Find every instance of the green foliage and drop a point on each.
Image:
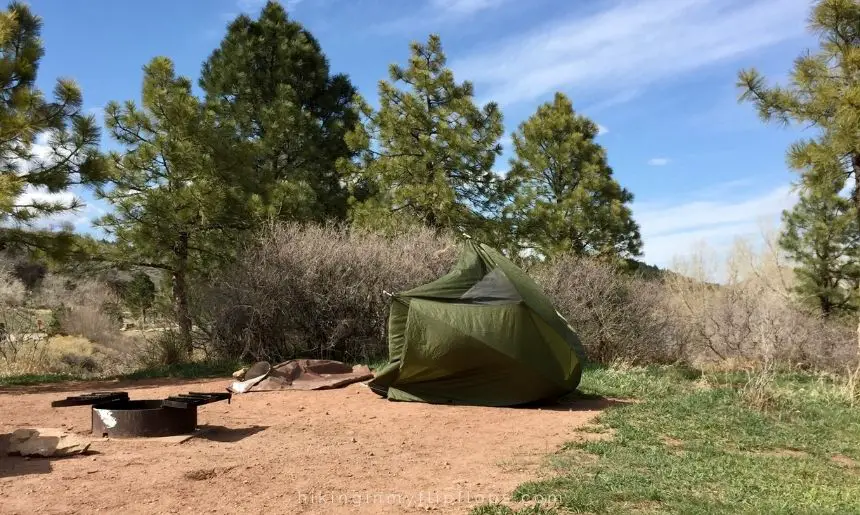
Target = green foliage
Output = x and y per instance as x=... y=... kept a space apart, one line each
x=174 y=207
x=823 y=237
x=139 y=293
x=46 y=147
x=695 y=446
x=564 y=198
x=824 y=93
x=269 y=81
x=426 y=155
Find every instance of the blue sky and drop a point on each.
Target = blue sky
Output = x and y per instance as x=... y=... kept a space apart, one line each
x=657 y=75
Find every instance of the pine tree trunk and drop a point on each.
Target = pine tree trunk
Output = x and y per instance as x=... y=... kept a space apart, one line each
x=180 y=292
x=855 y=196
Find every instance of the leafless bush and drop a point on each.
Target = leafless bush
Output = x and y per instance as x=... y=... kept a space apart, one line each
x=12 y=290
x=84 y=307
x=317 y=291
x=617 y=316
x=752 y=317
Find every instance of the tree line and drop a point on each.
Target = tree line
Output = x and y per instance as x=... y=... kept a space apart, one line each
x=278 y=136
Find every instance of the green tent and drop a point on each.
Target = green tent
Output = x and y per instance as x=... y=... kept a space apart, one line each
x=483 y=334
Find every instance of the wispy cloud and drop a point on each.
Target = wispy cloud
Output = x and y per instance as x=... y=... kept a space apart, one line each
x=463 y=7
x=433 y=13
x=659 y=161
x=669 y=230
x=602 y=129
x=626 y=47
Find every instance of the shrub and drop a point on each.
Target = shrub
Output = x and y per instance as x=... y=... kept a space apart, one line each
x=85 y=308
x=317 y=292
x=30 y=273
x=752 y=317
x=618 y=317
x=77 y=361
x=12 y=290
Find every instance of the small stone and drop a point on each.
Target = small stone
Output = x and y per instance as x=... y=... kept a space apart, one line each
x=354 y=440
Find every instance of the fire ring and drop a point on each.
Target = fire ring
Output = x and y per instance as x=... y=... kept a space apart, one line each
x=115 y=415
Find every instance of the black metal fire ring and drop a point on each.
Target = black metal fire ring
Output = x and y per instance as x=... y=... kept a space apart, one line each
x=114 y=415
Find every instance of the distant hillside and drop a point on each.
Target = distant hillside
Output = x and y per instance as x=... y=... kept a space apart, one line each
x=646 y=271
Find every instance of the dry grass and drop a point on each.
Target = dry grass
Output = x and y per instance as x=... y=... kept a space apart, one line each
x=72 y=328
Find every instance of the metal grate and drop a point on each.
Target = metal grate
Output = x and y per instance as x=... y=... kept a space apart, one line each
x=193 y=399
x=91 y=398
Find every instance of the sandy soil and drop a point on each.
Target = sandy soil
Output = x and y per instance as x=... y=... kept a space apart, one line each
x=336 y=451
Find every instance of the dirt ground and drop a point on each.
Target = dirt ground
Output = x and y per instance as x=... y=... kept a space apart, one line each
x=334 y=451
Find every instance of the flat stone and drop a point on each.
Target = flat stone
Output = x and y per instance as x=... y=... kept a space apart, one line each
x=45 y=442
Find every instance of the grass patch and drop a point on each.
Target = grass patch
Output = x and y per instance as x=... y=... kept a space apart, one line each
x=192 y=370
x=36 y=379
x=698 y=444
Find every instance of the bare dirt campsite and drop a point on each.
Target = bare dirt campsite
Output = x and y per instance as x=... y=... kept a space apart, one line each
x=329 y=451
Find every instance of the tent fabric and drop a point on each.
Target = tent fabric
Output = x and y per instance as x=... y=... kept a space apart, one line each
x=300 y=374
x=482 y=334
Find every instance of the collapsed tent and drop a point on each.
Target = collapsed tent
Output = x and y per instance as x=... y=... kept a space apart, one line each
x=300 y=374
x=483 y=334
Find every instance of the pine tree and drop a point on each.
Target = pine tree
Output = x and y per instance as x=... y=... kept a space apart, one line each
x=139 y=294
x=427 y=153
x=69 y=155
x=173 y=208
x=824 y=93
x=269 y=80
x=564 y=198
x=822 y=237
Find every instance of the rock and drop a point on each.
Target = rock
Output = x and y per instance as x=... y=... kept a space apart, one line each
x=240 y=374
x=127 y=325
x=45 y=442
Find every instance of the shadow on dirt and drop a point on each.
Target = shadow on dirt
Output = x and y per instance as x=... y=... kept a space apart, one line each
x=228 y=434
x=14 y=465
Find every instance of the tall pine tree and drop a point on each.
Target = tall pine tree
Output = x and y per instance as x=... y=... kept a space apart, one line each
x=270 y=82
x=427 y=152
x=822 y=237
x=564 y=198
x=30 y=173
x=824 y=93
x=173 y=209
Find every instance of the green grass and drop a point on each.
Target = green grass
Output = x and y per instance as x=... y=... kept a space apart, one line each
x=697 y=444
x=192 y=370
x=35 y=379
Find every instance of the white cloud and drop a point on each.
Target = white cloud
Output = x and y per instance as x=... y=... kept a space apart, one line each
x=463 y=7
x=33 y=194
x=672 y=230
x=437 y=12
x=659 y=161
x=601 y=130
x=628 y=46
